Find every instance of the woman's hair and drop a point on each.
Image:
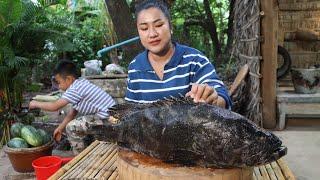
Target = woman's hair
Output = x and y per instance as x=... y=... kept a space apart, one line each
x=159 y=4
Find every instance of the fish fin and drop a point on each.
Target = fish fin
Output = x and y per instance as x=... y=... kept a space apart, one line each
x=120 y=110
x=171 y=100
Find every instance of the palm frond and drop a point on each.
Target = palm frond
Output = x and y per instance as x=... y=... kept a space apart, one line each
x=4 y=71
x=46 y=3
x=31 y=10
x=10 y=12
x=18 y=62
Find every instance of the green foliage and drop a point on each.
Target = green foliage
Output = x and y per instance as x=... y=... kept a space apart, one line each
x=88 y=39
x=34 y=87
x=24 y=31
x=88 y=30
x=195 y=35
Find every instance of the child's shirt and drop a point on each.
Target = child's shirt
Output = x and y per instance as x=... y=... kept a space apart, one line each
x=88 y=98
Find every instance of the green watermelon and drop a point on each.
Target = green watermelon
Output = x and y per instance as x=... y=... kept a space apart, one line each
x=17 y=143
x=15 y=129
x=31 y=135
x=45 y=136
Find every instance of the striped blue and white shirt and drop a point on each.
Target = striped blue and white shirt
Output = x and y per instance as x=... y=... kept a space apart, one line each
x=88 y=98
x=186 y=66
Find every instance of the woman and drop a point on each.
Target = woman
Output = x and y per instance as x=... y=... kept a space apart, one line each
x=166 y=68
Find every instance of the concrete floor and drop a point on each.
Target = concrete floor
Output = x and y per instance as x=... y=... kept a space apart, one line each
x=8 y=173
x=302 y=140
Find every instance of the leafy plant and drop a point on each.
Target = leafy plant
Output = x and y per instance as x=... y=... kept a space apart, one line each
x=192 y=25
x=24 y=30
x=91 y=30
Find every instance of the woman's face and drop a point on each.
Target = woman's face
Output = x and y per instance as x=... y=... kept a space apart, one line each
x=154 y=31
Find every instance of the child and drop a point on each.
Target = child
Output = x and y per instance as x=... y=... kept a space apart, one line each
x=86 y=98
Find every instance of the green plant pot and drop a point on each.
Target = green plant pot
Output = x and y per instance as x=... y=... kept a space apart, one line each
x=306 y=81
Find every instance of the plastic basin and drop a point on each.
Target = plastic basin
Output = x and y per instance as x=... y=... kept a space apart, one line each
x=46 y=166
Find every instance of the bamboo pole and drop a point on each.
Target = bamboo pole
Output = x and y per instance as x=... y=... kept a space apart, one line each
x=285 y=170
x=277 y=171
x=86 y=164
x=110 y=171
x=254 y=176
x=113 y=176
x=264 y=173
x=109 y=155
x=98 y=172
x=257 y=173
x=107 y=163
x=76 y=159
x=92 y=162
x=95 y=167
x=271 y=172
x=73 y=169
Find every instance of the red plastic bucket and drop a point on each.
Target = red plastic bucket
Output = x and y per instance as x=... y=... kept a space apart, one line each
x=46 y=166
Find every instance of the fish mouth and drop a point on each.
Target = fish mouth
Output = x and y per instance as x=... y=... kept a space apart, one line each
x=278 y=153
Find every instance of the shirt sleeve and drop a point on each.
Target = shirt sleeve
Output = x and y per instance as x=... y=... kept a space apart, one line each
x=72 y=95
x=206 y=74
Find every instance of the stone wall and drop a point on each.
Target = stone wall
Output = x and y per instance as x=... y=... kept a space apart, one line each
x=116 y=85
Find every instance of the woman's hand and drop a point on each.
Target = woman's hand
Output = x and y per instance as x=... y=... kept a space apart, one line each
x=203 y=93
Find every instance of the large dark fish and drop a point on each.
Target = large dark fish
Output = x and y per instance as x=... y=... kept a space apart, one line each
x=180 y=131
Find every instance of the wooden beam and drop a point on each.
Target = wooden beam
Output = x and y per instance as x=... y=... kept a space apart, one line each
x=269 y=24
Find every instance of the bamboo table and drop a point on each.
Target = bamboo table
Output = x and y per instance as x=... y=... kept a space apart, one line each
x=98 y=161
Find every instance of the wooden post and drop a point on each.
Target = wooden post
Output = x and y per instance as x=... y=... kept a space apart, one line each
x=269 y=24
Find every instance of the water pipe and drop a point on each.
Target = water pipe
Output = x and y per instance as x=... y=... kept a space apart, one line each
x=104 y=50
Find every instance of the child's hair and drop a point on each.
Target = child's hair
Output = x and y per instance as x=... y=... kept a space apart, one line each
x=66 y=68
x=159 y=4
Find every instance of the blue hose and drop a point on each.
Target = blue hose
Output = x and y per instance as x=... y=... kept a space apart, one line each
x=104 y=50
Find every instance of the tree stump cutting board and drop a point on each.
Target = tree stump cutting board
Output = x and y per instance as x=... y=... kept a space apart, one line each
x=136 y=166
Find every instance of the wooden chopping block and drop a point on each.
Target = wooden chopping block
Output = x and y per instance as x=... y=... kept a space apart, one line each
x=136 y=166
